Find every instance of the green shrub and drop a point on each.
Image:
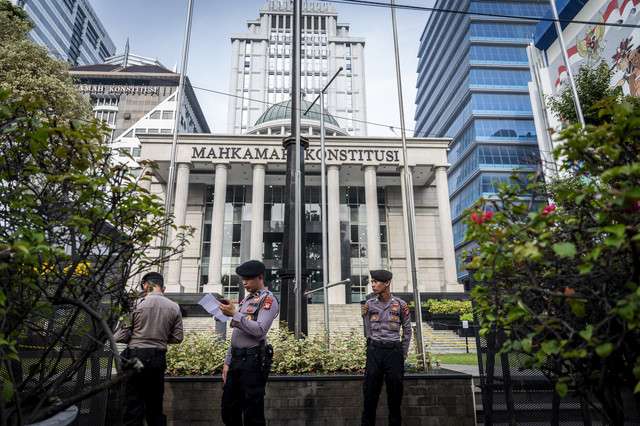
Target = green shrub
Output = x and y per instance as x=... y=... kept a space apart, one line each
x=467 y=317
x=202 y=354
x=446 y=306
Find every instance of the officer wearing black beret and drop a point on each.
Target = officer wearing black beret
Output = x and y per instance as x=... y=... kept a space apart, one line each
x=384 y=316
x=248 y=361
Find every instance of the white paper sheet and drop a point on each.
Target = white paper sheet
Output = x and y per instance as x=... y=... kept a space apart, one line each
x=211 y=305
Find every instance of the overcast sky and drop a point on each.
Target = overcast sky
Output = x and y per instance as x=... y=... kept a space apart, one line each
x=155 y=29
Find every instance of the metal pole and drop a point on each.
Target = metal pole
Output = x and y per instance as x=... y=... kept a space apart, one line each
x=168 y=202
x=323 y=178
x=409 y=196
x=295 y=118
x=325 y=251
x=565 y=57
x=345 y=281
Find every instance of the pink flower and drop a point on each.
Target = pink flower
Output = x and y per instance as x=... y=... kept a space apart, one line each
x=634 y=207
x=548 y=209
x=480 y=217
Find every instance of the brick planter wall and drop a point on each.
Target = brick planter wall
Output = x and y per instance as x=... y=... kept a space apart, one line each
x=441 y=399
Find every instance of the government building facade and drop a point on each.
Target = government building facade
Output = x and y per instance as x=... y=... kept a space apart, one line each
x=230 y=188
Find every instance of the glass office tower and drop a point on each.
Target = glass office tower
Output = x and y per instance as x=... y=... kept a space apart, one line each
x=70 y=28
x=473 y=76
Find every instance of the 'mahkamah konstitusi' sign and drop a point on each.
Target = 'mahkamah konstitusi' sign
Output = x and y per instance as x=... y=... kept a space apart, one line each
x=278 y=153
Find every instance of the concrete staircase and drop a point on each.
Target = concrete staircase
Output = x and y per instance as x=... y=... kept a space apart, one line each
x=447 y=341
x=343 y=319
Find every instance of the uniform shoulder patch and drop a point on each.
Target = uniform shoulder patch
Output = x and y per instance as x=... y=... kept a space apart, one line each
x=365 y=310
x=406 y=309
x=268 y=301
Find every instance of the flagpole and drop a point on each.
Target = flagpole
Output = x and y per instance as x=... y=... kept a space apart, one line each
x=565 y=58
x=409 y=196
x=168 y=202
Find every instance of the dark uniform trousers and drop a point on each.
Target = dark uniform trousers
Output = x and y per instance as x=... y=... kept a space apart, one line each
x=243 y=392
x=142 y=393
x=385 y=362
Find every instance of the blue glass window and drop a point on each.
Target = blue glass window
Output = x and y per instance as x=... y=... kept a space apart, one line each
x=483 y=31
x=460 y=120
x=490 y=103
x=465 y=198
x=513 y=9
x=489 y=129
x=490 y=183
x=499 y=79
x=458 y=232
x=505 y=156
x=459 y=145
x=498 y=55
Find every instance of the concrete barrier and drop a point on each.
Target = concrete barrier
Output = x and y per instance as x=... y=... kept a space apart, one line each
x=439 y=399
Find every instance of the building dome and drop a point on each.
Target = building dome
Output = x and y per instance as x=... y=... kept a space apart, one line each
x=282 y=111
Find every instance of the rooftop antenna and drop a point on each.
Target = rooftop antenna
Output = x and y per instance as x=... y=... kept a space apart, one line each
x=125 y=57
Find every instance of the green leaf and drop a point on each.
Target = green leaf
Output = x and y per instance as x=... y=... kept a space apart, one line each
x=565 y=249
x=551 y=347
x=613 y=240
x=585 y=269
x=515 y=314
x=562 y=389
x=529 y=250
x=577 y=307
x=7 y=391
x=604 y=350
x=587 y=333
x=617 y=230
x=637 y=388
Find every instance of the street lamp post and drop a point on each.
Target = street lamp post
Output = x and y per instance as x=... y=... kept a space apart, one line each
x=292 y=310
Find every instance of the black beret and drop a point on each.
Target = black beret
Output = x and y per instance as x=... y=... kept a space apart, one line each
x=153 y=278
x=381 y=275
x=250 y=269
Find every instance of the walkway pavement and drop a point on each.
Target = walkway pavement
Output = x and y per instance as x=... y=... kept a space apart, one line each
x=468 y=369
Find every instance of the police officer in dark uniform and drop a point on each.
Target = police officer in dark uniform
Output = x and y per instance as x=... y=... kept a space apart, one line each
x=248 y=361
x=384 y=317
x=155 y=321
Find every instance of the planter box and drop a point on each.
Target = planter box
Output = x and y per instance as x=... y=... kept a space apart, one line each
x=426 y=315
x=445 y=321
x=443 y=398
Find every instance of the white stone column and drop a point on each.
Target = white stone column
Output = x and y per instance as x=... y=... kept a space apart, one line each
x=257 y=211
x=337 y=293
x=373 y=218
x=217 y=230
x=180 y=212
x=446 y=232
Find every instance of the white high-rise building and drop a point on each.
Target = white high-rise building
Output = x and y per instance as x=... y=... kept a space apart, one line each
x=261 y=66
